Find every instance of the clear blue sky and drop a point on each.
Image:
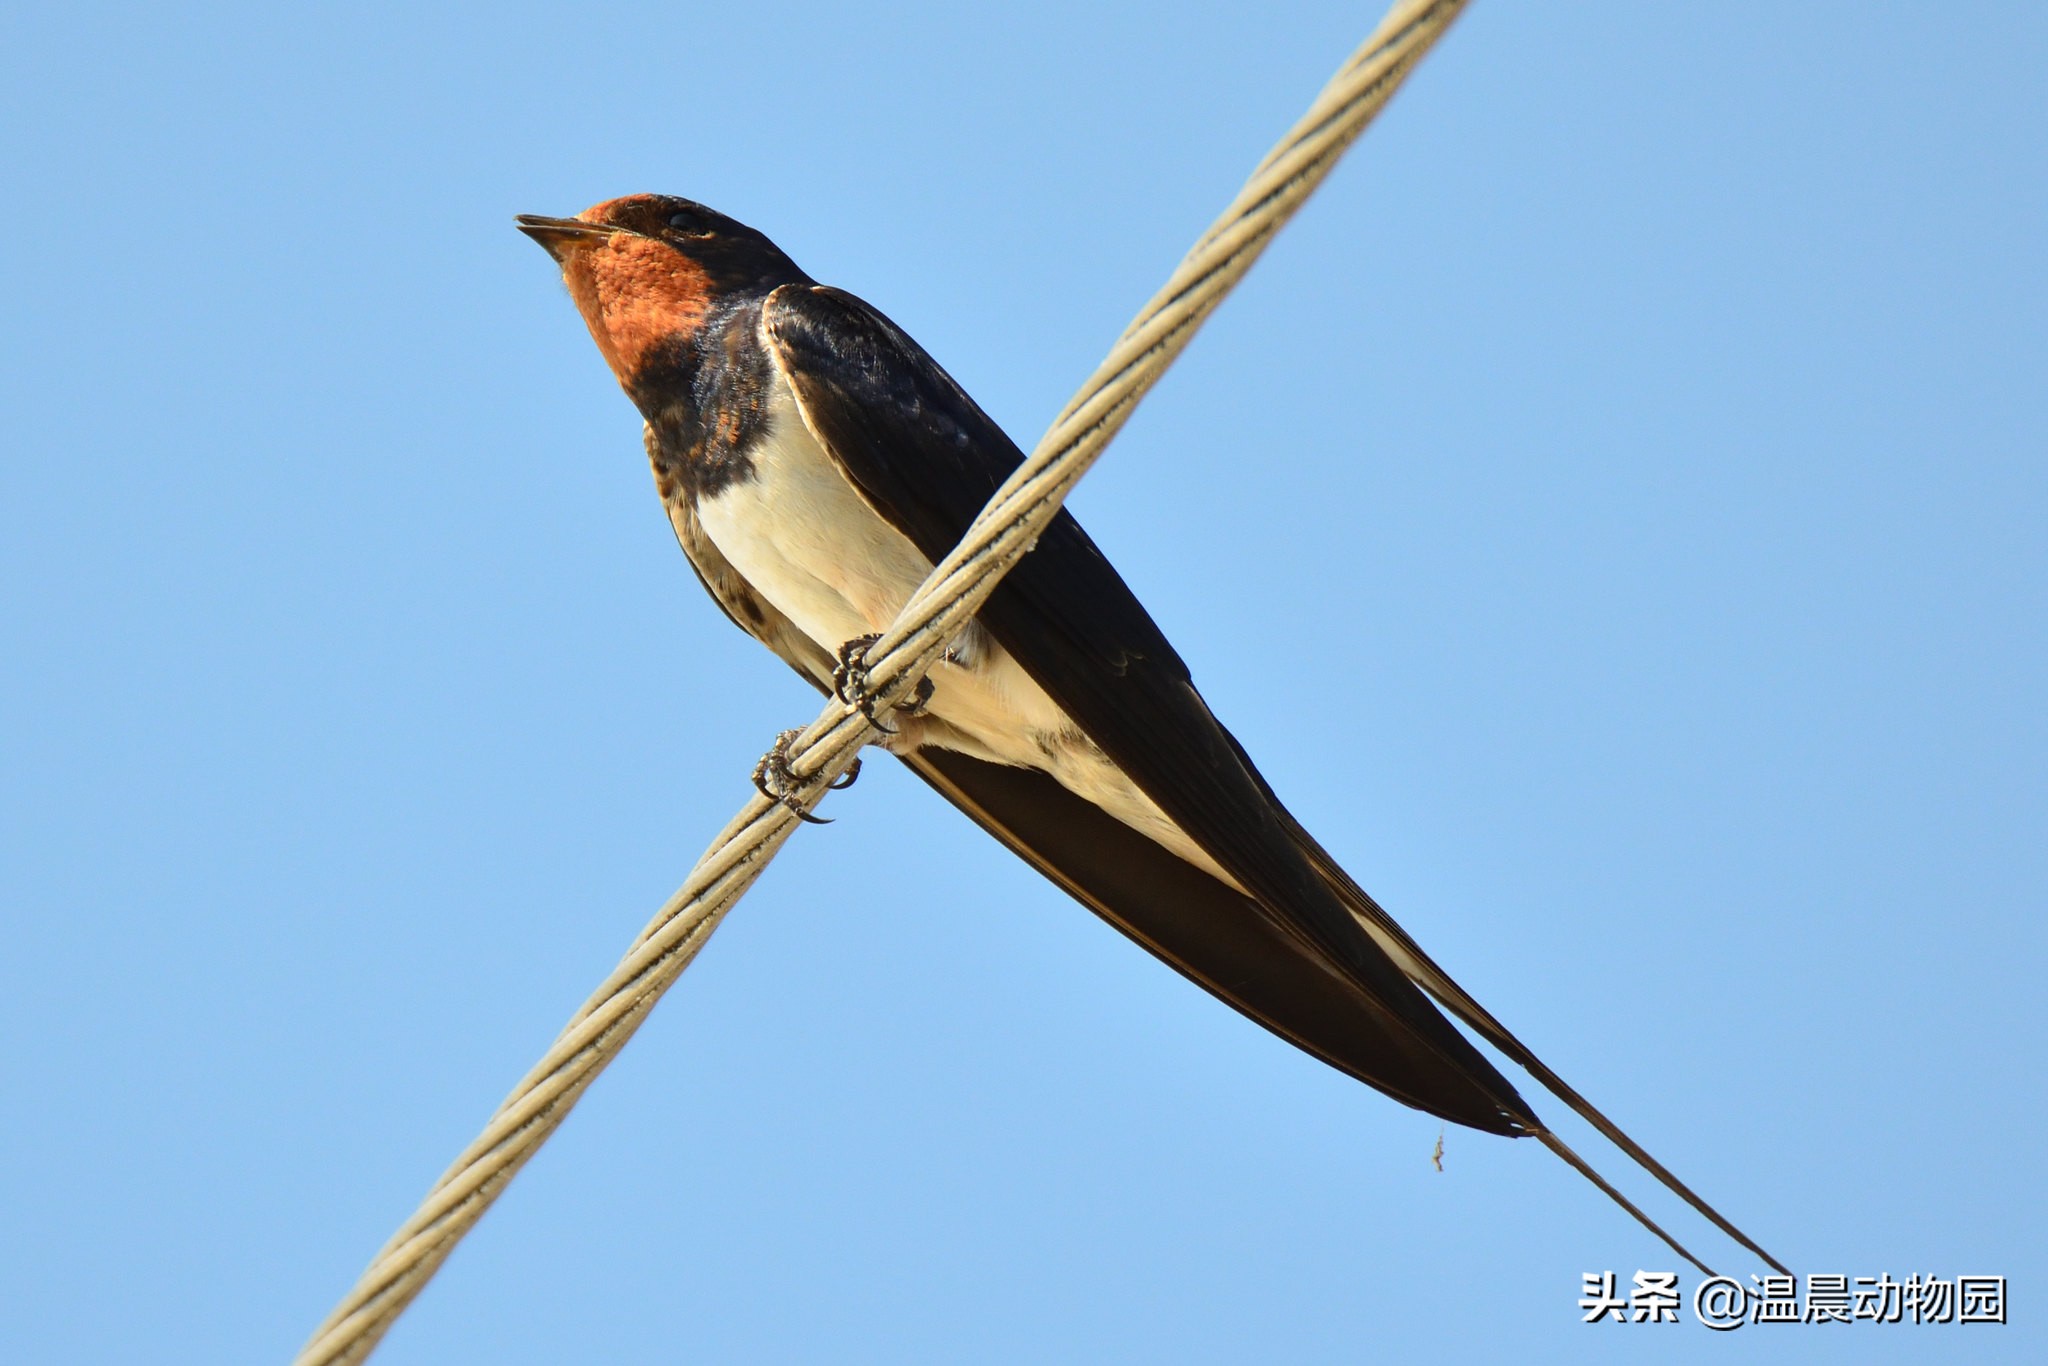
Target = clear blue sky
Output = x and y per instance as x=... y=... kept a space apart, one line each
x=1613 y=515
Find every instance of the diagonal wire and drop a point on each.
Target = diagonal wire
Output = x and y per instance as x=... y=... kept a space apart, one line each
x=939 y=609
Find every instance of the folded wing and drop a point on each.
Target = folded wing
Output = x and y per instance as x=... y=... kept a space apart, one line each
x=927 y=459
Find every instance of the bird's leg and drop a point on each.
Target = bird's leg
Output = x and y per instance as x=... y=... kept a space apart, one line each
x=914 y=704
x=850 y=684
x=778 y=782
x=850 y=680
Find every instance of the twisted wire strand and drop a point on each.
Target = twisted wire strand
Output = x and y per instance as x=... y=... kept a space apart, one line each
x=938 y=611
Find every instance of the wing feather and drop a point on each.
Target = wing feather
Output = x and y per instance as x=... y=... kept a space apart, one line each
x=927 y=459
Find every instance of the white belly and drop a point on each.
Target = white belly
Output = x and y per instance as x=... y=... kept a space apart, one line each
x=806 y=540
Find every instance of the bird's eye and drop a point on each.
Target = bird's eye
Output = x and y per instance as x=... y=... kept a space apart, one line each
x=687 y=222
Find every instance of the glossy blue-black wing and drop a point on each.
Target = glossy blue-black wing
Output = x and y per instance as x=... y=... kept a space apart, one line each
x=927 y=459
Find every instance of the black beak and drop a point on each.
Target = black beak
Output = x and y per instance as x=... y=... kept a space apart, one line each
x=560 y=236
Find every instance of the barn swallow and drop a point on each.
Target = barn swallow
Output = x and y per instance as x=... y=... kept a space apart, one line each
x=816 y=463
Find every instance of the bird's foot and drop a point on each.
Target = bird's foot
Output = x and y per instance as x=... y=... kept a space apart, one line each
x=778 y=782
x=850 y=684
x=920 y=696
x=850 y=680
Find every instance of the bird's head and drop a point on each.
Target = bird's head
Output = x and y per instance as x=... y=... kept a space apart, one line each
x=647 y=272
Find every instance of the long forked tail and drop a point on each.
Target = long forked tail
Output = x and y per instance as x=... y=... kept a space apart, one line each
x=1424 y=972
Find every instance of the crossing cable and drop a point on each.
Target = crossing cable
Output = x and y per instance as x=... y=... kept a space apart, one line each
x=935 y=614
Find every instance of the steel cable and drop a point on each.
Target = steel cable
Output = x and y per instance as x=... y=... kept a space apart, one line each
x=937 y=612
